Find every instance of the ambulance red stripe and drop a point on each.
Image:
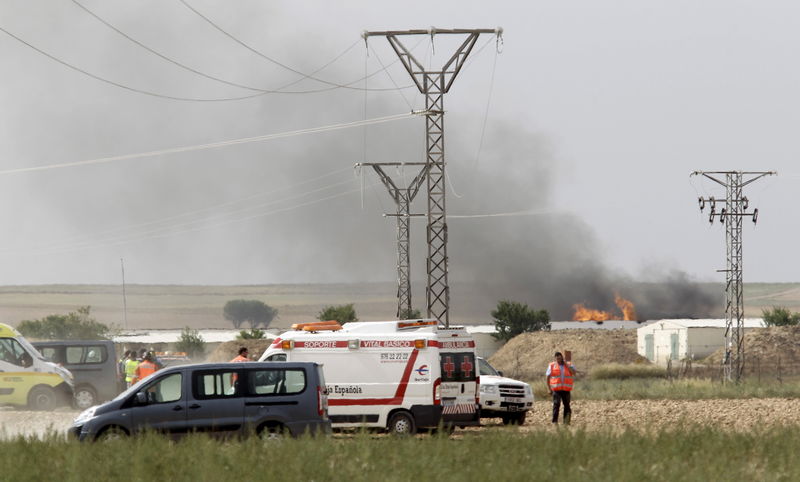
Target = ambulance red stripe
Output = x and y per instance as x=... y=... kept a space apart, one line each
x=399 y=394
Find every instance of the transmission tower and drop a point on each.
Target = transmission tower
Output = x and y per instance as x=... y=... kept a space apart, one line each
x=736 y=205
x=434 y=84
x=402 y=199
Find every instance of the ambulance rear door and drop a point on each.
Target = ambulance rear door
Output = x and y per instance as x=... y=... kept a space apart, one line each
x=459 y=383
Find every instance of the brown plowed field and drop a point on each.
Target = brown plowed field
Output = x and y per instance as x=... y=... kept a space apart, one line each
x=592 y=415
x=738 y=415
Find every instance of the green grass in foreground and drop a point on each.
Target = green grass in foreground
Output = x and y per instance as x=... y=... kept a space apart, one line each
x=678 y=389
x=502 y=454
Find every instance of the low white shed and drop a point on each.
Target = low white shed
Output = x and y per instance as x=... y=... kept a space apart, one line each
x=663 y=340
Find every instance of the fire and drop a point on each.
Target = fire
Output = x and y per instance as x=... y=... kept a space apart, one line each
x=582 y=313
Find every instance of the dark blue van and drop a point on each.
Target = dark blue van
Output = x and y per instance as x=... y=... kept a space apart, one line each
x=93 y=364
x=268 y=399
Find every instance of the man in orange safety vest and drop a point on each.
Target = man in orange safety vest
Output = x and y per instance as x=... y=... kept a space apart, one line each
x=242 y=357
x=560 y=376
x=145 y=368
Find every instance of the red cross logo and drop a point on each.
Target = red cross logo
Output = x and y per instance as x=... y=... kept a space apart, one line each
x=466 y=367
x=449 y=366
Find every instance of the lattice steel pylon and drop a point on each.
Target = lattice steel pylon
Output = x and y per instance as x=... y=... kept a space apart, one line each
x=403 y=196
x=736 y=205
x=434 y=84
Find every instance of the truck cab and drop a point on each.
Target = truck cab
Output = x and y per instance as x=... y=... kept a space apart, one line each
x=503 y=397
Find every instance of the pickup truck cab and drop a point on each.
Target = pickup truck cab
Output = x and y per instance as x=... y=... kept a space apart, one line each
x=221 y=399
x=503 y=397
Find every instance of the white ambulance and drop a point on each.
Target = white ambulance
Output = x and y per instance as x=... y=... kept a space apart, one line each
x=395 y=375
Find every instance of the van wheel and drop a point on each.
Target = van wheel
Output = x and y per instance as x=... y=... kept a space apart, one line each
x=401 y=423
x=273 y=432
x=85 y=397
x=111 y=434
x=42 y=398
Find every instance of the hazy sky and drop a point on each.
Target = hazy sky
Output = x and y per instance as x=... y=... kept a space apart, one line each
x=598 y=113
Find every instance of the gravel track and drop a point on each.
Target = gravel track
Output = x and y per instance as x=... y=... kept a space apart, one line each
x=592 y=415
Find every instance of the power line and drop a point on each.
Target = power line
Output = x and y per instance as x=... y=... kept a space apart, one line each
x=279 y=90
x=270 y=59
x=213 y=145
x=80 y=239
x=158 y=235
x=123 y=86
x=159 y=95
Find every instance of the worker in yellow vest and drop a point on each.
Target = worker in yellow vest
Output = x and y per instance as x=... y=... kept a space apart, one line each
x=146 y=367
x=560 y=377
x=130 y=368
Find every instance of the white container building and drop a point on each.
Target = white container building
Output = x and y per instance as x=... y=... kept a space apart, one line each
x=663 y=340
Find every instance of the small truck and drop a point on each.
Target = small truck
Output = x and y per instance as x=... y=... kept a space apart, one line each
x=503 y=397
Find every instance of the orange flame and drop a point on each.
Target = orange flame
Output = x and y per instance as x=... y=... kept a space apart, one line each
x=582 y=313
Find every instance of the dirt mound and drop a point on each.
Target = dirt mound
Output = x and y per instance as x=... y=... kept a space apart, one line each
x=526 y=356
x=764 y=347
x=227 y=351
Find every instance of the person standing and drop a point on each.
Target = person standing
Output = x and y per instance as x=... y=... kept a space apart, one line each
x=121 y=385
x=242 y=356
x=130 y=368
x=560 y=377
x=145 y=368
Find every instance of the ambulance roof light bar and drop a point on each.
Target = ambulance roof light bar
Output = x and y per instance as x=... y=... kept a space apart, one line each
x=406 y=324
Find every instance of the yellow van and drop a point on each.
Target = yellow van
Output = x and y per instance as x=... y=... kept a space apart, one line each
x=26 y=378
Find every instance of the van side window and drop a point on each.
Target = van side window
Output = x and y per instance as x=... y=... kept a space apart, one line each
x=214 y=384
x=164 y=390
x=276 y=382
x=86 y=354
x=277 y=357
x=50 y=353
x=12 y=352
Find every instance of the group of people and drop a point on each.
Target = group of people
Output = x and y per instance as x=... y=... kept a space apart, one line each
x=135 y=366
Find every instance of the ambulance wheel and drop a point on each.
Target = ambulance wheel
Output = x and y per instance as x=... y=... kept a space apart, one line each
x=85 y=397
x=401 y=423
x=42 y=398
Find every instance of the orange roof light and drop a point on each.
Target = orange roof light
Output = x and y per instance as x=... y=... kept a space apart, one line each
x=331 y=325
x=413 y=324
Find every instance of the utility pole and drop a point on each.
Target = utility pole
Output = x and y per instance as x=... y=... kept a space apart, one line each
x=736 y=205
x=434 y=84
x=402 y=199
x=124 y=298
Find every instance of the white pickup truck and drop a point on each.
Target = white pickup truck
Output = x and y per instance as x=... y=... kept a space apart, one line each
x=503 y=397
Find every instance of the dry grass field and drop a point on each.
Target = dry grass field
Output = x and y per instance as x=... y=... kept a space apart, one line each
x=175 y=306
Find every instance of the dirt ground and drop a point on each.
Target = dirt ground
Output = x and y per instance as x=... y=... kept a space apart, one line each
x=591 y=415
x=646 y=415
x=14 y=423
